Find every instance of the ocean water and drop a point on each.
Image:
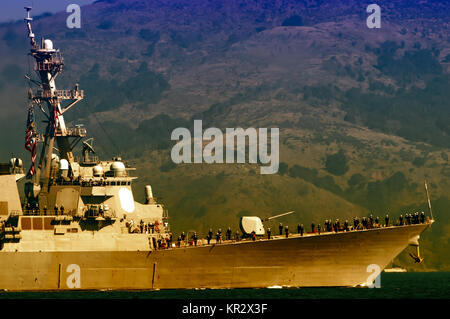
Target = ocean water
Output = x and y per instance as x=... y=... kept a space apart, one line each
x=432 y=285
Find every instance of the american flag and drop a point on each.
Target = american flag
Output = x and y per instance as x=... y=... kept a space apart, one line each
x=30 y=139
x=56 y=114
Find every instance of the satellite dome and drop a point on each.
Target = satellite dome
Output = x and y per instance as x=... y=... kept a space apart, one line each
x=48 y=44
x=63 y=164
x=117 y=166
x=98 y=170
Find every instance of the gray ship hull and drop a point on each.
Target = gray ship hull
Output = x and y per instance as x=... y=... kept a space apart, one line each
x=329 y=259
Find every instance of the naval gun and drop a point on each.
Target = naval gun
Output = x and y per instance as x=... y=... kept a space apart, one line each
x=249 y=224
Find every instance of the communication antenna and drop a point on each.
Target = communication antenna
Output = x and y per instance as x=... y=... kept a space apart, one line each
x=429 y=202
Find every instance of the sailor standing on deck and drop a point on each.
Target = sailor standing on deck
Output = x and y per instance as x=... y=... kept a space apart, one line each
x=301 y=230
x=268 y=233
x=313 y=228
x=386 y=220
x=318 y=228
x=416 y=218
x=229 y=233
x=286 y=230
x=209 y=236
x=364 y=222
x=218 y=237
x=346 y=225
x=422 y=217
x=280 y=228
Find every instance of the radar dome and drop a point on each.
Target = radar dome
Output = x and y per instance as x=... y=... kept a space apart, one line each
x=48 y=44
x=118 y=168
x=63 y=164
x=98 y=170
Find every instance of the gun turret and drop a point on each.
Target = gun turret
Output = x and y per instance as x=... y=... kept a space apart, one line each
x=249 y=224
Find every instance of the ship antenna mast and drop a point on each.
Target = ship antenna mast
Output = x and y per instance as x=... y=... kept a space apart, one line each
x=28 y=20
x=48 y=65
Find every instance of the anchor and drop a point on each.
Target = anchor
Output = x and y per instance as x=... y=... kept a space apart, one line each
x=416 y=257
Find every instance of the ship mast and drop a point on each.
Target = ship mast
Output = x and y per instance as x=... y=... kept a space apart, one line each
x=48 y=64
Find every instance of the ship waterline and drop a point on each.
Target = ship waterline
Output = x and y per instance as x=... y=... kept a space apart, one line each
x=330 y=259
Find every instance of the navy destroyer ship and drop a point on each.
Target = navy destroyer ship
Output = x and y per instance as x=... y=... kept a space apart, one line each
x=79 y=226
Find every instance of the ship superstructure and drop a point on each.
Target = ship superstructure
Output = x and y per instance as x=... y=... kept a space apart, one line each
x=70 y=196
x=80 y=227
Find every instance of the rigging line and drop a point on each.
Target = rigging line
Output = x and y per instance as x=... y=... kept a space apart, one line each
x=29 y=71
x=107 y=135
x=104 y=131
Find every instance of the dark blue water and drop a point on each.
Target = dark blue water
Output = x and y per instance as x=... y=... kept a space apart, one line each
x=434 y=285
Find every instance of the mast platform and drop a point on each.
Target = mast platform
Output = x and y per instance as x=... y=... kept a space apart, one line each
x=60 y=94
x=72 y=132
